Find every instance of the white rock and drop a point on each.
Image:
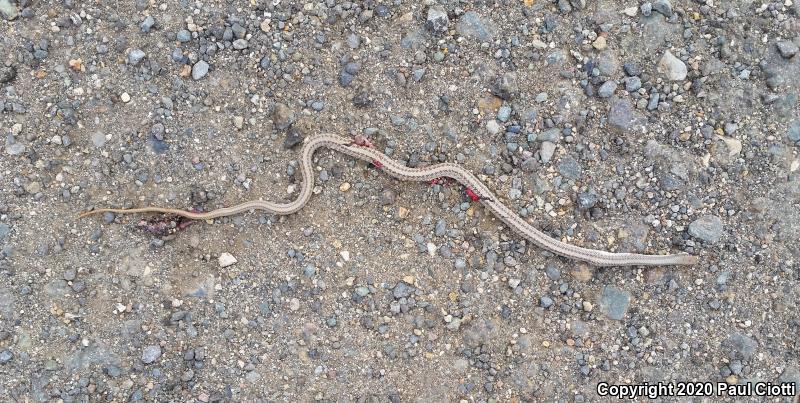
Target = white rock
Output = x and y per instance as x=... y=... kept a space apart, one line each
x=672 y=67
x=226 y=259
x=493 y=127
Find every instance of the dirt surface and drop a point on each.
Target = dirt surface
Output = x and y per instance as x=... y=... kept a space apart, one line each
x=616 y=125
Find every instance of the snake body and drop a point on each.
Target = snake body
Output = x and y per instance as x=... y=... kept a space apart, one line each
x=399 y=171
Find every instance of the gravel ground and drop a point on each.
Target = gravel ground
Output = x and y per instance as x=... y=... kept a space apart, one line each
x=616 y=125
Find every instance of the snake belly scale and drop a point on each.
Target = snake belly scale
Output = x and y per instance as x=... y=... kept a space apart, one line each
x=399 y=171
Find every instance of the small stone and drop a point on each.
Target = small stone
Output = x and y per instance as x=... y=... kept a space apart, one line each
x=98 y=139
x=614 y=302
x=673 y=68
x=623 y=117
x=264 y=26
x=135 y=56
x=546 y=151
x=471 y=26
x=787 y=49
x=183 y=36
x=199 y=70
x=708 y=228
x=125 y=97
x=282 y=116
x=546 y=302
x=607 y=89
x=600 y=43
x=493 y=127
x=226 y=259
x=664 y=7
x=8 y=10
x=630 y=11
x=240 y=44
x=147 y=24
x=7 y=73
x=344 y=187
x=504 y=113
x=793 y=133
x=151 y=354
x=632 y=84
x=238 y=122
x=5 y=357
x=437 y=20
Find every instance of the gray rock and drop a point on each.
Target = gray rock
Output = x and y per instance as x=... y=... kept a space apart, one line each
x=402 y=290
x=787 y=49
x=614 y=302
x=282 y=116
x=135 y=56
x=437 y=20
x=632 y=84
x=623 y=117
x=471 y=26
x=546 y=302
x=199 y=70
x=607 y=89
x=151 y=354
x=183 y=36
x=664 y=7
x=4 y=230
x=547 y=151
x=552 y=272
x=673 y=68
x=608 y=63
x=742 y=344
x=504 y=113
x=5 y=356
x=7 y=74
x=98 y=139
x=586 y=200
x=147 y=24
x=708 y=228
x=652 y=104
x=794 y=130
x=240 y=44
x=8 y=10
x=362 y=291
x=570 y=168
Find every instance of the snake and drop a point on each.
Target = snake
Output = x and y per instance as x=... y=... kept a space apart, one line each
x=362 y=149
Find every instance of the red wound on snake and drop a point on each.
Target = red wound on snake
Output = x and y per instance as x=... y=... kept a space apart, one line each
x=377 y=164
x=363 y=141
x=472 y=195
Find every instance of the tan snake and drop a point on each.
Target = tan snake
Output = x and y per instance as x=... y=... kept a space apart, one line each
x=402 y=172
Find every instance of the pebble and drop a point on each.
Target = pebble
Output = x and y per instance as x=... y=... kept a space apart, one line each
x=546 y=151
x=671 y=67
x=437 y=20
x=240 y=44
x=607 y=89
x=282 y=116
x=708 y=228
x=793 y=132
x=151 y=354
x=147 y=24
x=183 y=36
x=135 y=56
x=632 y=84
x=226 y=259
x=493 y=127
x=98 y=139
x=623 y=117
x=787 y=49
x=546 y=302
x=600 y=43
x=614 y=302
x=200 y=69
x=125 y=97
x=664 y=7
x=5 y=357
x=7 y=73
x=504 y=113
x=8 y=10
x=472 y=26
